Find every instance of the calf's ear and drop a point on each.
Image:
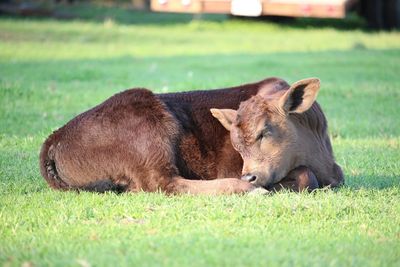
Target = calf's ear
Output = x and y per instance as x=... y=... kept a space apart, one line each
x=225 y=116
x=300 y=96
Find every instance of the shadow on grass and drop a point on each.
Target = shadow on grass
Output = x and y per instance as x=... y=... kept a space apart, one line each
x=116 y=13
x=127 y=15
x=352 y=22
x=378 y=182
x=32 y=182
x=354 y=184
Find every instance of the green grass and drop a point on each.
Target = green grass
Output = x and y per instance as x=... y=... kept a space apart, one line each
x=52 y=70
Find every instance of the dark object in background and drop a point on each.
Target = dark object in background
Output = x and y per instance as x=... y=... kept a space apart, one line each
x=372 y=12
x=381 y=14
x=68 y=1
x=24 y=8
x=35 y=8
x=392 y=14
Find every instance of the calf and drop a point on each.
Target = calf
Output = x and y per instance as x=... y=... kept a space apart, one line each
x=279 y=129
x=137 y=140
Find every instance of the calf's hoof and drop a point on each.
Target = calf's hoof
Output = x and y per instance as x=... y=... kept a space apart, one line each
x=259 y=191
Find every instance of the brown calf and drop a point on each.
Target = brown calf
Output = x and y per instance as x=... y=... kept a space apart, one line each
x=280 y=129
x=137 y=140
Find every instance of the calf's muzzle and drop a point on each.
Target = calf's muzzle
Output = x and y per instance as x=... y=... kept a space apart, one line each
x=258 y=179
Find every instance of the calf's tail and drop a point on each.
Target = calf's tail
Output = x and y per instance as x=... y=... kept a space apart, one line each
x=48 y=165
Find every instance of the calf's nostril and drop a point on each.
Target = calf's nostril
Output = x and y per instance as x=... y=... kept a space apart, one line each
x=249 y=177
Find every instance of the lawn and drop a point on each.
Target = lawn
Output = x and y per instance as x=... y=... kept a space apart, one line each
x=52 y=70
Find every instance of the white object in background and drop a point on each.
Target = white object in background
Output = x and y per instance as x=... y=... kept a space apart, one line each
x=250 y=8
x=186 y=2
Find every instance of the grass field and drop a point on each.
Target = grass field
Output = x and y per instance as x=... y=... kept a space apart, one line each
x=52 y=70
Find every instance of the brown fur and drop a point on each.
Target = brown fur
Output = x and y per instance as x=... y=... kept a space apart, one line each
x=137 y=140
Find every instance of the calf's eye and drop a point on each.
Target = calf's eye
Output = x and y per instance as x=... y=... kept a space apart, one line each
x=264 y=133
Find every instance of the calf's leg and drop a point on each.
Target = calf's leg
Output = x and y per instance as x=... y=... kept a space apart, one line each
x=298 y=180
x=180 y=185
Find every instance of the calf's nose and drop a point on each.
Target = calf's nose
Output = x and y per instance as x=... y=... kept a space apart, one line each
x=249 y=177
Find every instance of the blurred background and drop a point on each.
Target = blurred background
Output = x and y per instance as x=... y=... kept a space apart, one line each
x=60 y=58
x=378 y=14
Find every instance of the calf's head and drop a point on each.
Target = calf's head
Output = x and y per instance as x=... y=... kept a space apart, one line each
x=278 y=130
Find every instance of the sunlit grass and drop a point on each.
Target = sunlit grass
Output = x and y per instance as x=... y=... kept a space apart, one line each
x=51 y=71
